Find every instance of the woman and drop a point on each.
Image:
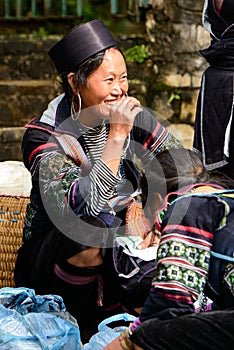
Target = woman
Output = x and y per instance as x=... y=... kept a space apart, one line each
x=194 y=258
x=80 y=153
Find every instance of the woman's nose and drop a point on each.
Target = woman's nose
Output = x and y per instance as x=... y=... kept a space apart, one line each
x=116 y=89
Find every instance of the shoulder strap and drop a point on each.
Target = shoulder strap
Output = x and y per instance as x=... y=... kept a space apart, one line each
x=73 y=149
x=222 y=256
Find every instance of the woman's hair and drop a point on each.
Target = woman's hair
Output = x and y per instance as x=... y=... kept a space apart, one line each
x=176 y=168
x=83 y=71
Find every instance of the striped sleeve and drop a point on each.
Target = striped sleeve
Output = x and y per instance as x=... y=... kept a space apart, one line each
x=62 y=184
x=95 y=190
x=61 y=180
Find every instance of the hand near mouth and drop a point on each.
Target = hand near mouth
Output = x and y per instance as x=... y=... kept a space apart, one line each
x=122 y=115
x=121 y=118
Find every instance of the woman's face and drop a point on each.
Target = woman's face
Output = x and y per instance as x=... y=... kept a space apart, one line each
x=108 y=84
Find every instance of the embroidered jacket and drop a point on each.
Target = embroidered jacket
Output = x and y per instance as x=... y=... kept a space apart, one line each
x=61 y=184
x=195 y=254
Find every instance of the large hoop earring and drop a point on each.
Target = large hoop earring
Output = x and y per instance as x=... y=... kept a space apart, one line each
x=75 y=114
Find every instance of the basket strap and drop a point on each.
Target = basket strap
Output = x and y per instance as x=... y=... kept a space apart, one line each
x=73 y=149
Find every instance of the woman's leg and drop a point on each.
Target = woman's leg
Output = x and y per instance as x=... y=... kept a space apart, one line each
x=42 y=265
x=45 y=264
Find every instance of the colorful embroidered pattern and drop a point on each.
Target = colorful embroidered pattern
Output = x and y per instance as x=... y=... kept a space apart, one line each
x=182 y=266
x=57 y=173
x=229 y=277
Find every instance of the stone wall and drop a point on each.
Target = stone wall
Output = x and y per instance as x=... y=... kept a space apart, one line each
x=166 y=82
x=176 y=35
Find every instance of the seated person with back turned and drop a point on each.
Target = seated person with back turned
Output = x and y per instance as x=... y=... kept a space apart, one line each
x=194 y=259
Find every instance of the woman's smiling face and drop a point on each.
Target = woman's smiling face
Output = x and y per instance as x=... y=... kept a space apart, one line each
x=108 y=84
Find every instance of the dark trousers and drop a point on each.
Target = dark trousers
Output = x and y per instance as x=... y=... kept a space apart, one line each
x=35 y=269
x=203 y=331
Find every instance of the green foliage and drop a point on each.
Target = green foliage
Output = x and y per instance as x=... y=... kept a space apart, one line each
x=174 y=96
x=40 y=33
x=136 y=53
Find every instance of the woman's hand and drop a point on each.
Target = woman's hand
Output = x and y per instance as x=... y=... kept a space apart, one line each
x=121 y=117
x=115 y=345
x=151 y=240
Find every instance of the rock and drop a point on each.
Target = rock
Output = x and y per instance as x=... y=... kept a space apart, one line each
x=184 y=133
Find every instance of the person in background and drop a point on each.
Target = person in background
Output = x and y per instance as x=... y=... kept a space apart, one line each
x=191 y=302
x=214 y=129
x=80 y=153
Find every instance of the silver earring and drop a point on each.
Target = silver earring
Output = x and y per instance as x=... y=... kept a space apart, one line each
x=75 y=115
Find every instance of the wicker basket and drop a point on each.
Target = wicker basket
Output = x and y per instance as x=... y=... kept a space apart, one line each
x=12 y=213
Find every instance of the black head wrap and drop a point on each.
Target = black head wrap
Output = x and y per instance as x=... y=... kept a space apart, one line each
x=82 y=42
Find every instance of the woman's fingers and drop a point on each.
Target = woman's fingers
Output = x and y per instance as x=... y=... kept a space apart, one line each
x=152 y=240
x=123 y=113
x=146 y=242
x=125 y=109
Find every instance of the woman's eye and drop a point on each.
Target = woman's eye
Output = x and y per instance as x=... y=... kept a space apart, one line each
x=124 y=77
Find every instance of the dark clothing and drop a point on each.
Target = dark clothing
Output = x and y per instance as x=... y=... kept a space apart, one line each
x=194 y=261
x=217 y=22
x=214 y=129
x=37 y=259
x=75 y=204
x=193 y=227
x=206 y=331
x=59 y=182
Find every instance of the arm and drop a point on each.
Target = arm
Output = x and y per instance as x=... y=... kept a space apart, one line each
x=99 y=187
x=61 y=180
x=121 y=343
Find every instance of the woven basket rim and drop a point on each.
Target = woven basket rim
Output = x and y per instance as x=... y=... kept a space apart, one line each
x=14 y=196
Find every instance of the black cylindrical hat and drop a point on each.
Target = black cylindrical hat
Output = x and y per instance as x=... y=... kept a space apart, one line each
x=84 y=41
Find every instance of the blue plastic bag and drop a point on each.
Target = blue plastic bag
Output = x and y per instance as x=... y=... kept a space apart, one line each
x=24 y=300
x=21 y=329
x=107 y=334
